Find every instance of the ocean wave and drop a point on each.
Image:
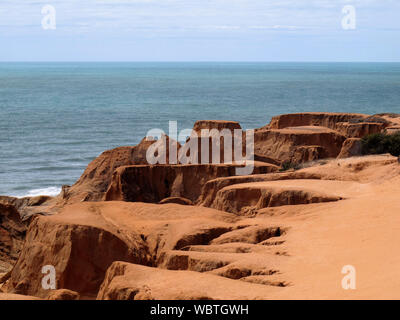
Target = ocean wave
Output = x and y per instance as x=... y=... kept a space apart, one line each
x=50 y=191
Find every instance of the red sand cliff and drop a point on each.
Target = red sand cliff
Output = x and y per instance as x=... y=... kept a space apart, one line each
x=129 y=230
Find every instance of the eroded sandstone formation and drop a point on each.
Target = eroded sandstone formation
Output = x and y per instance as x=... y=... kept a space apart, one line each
x=293 y=138
x=12 y=234
x=173 y=231
x=298 y=144
x=323 y=119
x=155 y=183
x=80 y=244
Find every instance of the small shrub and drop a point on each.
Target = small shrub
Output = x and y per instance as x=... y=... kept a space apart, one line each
x=287 y=165
x=395 y=144
x=371 y=119
x=379 y=143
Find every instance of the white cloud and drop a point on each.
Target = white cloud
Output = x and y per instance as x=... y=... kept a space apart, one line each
x=114 y=16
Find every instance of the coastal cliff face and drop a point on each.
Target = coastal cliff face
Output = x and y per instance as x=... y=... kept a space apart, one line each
x=12 y=234
x=95 y=181
x=298 y=144
x=155 y=183
x=130 y=230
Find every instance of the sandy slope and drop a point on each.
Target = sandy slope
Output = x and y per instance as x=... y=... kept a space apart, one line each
x=362 y=231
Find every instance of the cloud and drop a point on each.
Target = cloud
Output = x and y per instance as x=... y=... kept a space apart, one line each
x=117 y=16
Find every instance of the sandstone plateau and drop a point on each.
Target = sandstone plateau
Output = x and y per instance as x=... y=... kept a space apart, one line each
x=128 y=230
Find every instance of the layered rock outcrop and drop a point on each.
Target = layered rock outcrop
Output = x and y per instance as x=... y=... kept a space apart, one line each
x=294 y=138
x=83 y=240
x=352 y=147
x=214 y=142
x=63 y=294
x=27 y=206
x=308 y=134
x=322 y=119
x=249 y=197
x=155 y=183
x=298 y=144
x=132 y=282
x=96 y=179
x=215 y=124
x=80 y=244
x=359 y=130
x=12 y=234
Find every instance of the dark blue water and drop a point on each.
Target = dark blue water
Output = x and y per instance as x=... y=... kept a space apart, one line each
x=56 y=117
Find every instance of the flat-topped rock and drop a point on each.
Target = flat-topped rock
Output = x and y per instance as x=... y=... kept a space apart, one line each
x=392 y=118
x=360 y=169
x=209 y=135
x=393 y=129
x=212 y=187
x=248 y=197
x=304 y=129
x=215 y=124
x=359 y=130
x=133 y=282
x=323 y=119
x=298 y=144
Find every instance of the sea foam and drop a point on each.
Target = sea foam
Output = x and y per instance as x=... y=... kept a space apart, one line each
x=50 y=191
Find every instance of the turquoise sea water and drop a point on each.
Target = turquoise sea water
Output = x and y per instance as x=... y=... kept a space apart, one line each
x=56 y=117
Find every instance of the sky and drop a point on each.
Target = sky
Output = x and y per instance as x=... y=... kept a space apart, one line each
x=199 y=30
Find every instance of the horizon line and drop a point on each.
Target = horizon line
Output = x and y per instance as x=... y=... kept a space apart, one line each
x=191 y=61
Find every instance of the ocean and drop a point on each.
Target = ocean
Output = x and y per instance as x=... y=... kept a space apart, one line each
x=57 y=117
